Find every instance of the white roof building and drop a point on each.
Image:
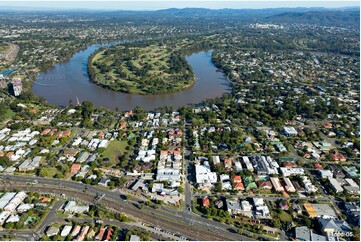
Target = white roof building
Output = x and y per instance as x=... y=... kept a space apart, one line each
x=292 y=171
x=3 y=216
x=72 y=207
x=238 y=166
x=24 y=207
x=248 y=164
x=258 y=201
x=335 y=185
x=134 y=237
x=290 y=131
x=204 y=175
x=246 y=206
x=5 y=199
x=66 y=230
x=216 y=159
x=15 y=201
x=13 y=219
x=51 y=231
x=309 y=187
x=325 y=173
x=262 y=211
x=103 y=144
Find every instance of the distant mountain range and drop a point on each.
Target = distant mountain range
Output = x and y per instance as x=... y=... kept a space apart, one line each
x=337 y=18
x=322 y=16
x=348 y=16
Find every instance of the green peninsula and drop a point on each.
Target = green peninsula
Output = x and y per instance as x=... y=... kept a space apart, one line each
x=147 y=69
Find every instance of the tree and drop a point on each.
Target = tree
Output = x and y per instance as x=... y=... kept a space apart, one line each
x=3 y=110
x=218 y=187
x=180 y=189
x=276 y=223
x=87 y=110
x=44 y=173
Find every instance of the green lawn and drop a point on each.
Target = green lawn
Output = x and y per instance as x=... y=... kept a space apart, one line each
x=284 y=216
x=114 y=150
x=9 y=114
x=48 y=171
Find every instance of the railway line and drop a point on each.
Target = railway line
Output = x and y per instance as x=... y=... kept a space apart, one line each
x=191 y=231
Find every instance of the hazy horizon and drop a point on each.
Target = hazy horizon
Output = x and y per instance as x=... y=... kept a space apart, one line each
x=157 y=5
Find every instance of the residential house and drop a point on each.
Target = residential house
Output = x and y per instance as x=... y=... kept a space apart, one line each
x=228 y=163
x=52 y=231
x=325 y=173
x=266 y=185
x=338 y=157
x=330 y=226
x=100 y=235
x=290 y=131
x=276 y=184
x=134 y=237
x=73 y=207
x=75 y=168
x=335 y=185
x=337 y=172
x=70 y=152
x=104 y=182
x=249 y=183
x=226 y=183
x=238 y=184
x=288 y=185
x=66 y=230
x=205 y=202
x=305 y=234
x=291 y=171
x=233 y=207
x=108 y=234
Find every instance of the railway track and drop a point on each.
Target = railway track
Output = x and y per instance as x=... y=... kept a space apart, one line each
x=188 y=230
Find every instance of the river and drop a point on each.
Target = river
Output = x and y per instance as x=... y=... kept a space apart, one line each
x=70 y=80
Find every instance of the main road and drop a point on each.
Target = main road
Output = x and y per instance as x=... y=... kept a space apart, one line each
x=188 y=224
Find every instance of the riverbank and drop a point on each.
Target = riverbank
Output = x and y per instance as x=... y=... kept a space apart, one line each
x=75 y=83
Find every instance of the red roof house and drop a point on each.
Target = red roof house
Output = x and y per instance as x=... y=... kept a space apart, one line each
x=205 y=202
x=338 y=157
x=75 y=168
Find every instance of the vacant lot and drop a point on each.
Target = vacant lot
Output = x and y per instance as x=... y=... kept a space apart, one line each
x=114 y=150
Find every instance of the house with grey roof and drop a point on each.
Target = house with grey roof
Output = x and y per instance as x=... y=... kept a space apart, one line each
x=332 y=226
x=305 y=234
x=233 y=207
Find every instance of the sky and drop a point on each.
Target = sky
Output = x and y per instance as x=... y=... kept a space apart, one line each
x=153 y=5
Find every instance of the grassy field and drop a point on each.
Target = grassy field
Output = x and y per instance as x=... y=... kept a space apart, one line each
x=4 y=48
x=151 y=69
x=285 y=217
x=114 y=150
x=8 y=115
